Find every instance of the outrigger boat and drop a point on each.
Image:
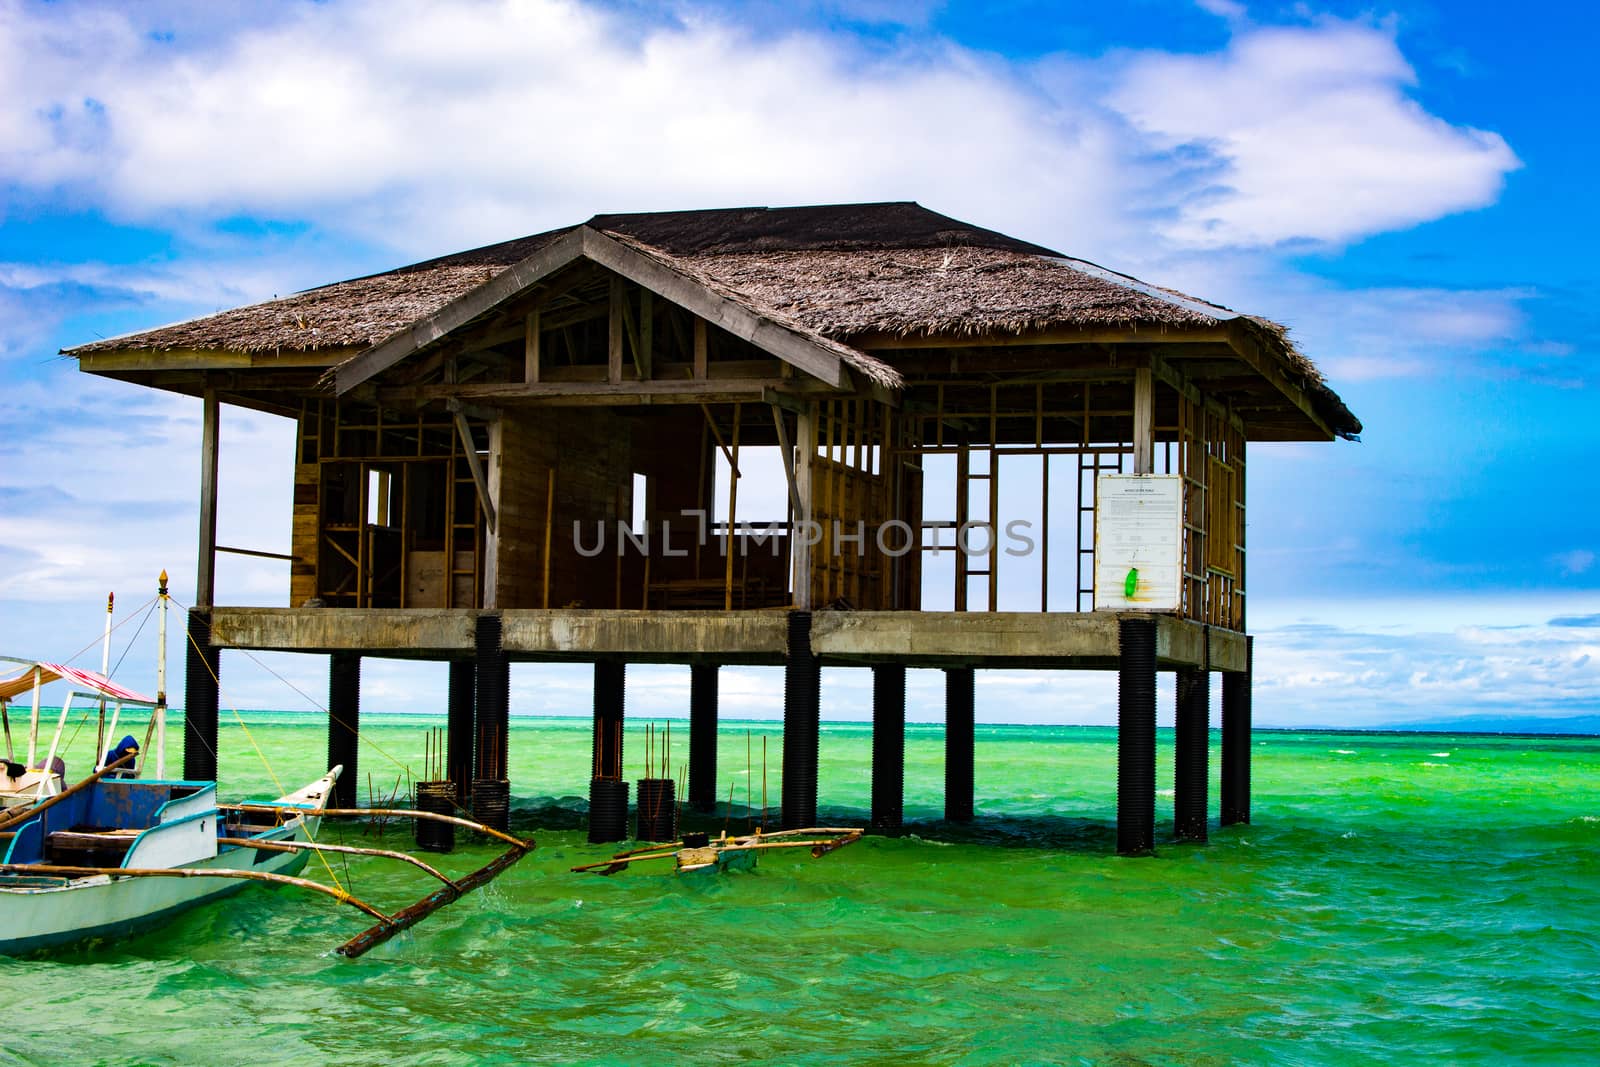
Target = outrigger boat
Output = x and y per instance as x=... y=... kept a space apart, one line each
x=114 y=855
x=700 y=852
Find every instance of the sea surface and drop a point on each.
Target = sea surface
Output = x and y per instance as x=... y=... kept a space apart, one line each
x=1399 y=898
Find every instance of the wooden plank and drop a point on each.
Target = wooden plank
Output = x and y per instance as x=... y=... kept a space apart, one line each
x=700 y=347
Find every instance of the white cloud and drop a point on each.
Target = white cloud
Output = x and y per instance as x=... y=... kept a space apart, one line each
x=432 y=125
x=1304 y=133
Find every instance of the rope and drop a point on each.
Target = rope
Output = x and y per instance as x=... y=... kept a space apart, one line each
x=251 y=738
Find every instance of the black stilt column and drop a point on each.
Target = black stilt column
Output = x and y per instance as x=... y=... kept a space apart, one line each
x=490 y=794
x=1191 y=760
x=610 y=696
x=202 y=668
x=461 y=729
x=703 y=737
x=1136 y=737
x=802 y=695
x=1236 y=740
x=888 y=746
x=958 y=743
x=344 y=724
x=608 y=790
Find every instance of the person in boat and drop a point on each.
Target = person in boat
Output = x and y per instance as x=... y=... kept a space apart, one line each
x=126 y=747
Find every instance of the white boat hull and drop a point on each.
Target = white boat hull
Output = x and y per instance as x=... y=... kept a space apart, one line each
x=40 y=912
x=108 y=907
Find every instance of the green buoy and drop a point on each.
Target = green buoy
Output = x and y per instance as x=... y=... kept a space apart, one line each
x=1131 y=583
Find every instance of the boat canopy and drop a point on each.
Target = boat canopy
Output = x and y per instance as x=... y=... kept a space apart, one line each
x=40 y=673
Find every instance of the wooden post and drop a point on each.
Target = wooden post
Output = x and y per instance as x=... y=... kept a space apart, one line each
x=888 y=746
x=733 y=512
x=1136 y=737
x=530 y=348
x=800 y=548
x=614 y=333
x=959 y=742
x=1236 y=740
x=205 y=586
x=344 y=724
x=703 y=737
x=1191 y=757
x=700 y=349
x=1144 y=421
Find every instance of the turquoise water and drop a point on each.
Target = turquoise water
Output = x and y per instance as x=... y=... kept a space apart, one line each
x=1399 y=898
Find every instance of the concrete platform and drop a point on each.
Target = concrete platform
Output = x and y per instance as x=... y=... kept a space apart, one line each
x=1046 y=641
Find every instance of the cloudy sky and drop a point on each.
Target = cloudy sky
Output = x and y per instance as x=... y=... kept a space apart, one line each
x=1407 y=186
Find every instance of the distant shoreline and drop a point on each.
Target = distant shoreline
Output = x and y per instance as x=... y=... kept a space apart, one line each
x=1510 y=730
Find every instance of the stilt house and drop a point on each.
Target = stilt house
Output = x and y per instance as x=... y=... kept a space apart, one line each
x=536 y=451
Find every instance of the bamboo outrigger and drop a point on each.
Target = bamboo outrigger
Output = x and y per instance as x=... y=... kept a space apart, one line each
x=698 y=852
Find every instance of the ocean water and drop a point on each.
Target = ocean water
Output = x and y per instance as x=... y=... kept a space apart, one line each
x=1398 y=899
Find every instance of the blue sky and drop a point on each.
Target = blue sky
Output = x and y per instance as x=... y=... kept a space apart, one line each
x=1406 y=186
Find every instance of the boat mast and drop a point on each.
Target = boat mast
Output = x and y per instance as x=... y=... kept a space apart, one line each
x=161 y=681
x=105 y=671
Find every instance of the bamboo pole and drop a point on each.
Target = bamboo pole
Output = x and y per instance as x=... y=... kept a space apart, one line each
x=403 y=813
x=193 y=872
x=347 y=850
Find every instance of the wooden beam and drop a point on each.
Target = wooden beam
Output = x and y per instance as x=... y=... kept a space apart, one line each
x=205 y=586
x=1057 y=335
x=508 y=283
x=530 y=347
x=1270 y=368
x=478 y=479
x=805 y=453
x=615 y=332
x=644 y=358
x=659 y=391
x=700 y=347
x=786 y=453
x=812 y=355
x=1143 y=421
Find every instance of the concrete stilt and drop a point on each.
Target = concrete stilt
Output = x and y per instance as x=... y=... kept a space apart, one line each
x=461 y=728
x=610 y=695
x=888 y=746
x=703 y=737
x=1191 y=757
x=491 y=799
x=608 y=791
x=344 y=724
x=958 y=744
x=802 y=694
x=1236 y=740
x=1136 y=736
x=202 y=668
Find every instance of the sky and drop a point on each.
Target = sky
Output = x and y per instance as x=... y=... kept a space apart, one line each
x=1406 y=186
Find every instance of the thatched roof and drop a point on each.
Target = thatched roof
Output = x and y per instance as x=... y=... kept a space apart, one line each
x=835 y=272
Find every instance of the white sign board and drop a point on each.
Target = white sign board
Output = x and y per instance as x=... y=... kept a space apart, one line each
x=1138 y=542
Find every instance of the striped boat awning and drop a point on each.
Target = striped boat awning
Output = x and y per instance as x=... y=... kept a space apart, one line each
x=88 y=680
